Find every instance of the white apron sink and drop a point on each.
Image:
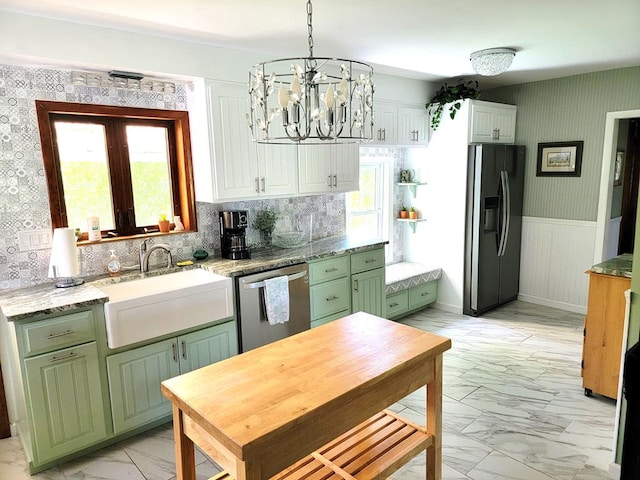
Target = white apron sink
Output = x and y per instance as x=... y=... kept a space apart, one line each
x=151 y=307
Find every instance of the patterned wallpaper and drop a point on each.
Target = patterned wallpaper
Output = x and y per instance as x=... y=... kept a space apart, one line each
x=23 y=192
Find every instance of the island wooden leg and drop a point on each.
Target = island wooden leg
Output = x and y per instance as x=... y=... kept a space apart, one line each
x=434 y=421
x=185 y=453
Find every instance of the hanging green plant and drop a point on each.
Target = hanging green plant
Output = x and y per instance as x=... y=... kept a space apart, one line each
x=453 y=95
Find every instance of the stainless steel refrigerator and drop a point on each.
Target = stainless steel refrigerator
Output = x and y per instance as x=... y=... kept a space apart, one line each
x=495 y=182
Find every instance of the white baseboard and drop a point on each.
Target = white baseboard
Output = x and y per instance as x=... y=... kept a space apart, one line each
x=553 y=303
x=614 y=471
x=447 y=308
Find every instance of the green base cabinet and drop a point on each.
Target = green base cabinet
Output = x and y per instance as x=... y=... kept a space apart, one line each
x=65 y=397
x=367 y=294
x=368 y=282
x=408 y=301
x=329 y=292
x=135 y=375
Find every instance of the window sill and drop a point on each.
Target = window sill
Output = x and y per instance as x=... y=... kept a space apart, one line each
x=133 y=237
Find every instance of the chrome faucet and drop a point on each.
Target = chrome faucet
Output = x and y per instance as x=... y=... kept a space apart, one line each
x=145 y=253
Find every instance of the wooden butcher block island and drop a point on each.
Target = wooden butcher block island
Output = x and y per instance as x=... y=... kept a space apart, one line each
x=312 y=405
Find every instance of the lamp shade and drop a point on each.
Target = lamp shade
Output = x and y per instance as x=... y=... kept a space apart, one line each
x=64 y=254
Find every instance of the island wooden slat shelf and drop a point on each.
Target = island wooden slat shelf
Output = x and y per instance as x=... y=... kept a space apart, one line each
x=374 y=449
x=311 y=406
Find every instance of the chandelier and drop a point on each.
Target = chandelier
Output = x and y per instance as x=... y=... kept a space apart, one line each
x=311 y=99
x=492 y=61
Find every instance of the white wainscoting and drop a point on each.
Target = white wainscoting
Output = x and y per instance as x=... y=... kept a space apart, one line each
x=555 y=255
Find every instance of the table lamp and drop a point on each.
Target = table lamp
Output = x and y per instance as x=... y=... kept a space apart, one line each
x=63 y=264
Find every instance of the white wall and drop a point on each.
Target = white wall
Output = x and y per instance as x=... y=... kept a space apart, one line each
x=439 y=242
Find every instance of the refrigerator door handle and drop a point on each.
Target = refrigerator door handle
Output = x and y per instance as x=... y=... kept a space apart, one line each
x=506 y=212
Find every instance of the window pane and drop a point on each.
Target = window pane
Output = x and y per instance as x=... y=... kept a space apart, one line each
x=365 y=199
x=363 y=226
x=85 y=173
x=150 y=173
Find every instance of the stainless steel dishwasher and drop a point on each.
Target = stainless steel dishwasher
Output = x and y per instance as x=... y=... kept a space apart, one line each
x=254 y=329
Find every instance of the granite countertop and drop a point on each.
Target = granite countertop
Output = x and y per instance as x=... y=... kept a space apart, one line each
x=46 y=299
x=620 y=266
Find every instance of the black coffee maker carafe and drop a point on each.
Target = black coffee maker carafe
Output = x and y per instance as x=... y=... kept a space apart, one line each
x=232 y=234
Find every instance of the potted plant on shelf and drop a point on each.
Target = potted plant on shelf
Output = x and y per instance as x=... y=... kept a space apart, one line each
x=403 y=212
x=453 y=95
x=265 y=222
x=413 y=213
x=163 y=223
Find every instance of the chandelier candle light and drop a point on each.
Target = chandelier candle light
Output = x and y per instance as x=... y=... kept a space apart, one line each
x=311 y=99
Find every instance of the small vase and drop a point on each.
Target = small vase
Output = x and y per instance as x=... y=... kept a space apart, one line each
x=265 y=236
x=164 y=226
x=179 y=226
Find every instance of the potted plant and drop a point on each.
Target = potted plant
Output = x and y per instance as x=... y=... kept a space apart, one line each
x=265 y=222
x=413 y=213
x=453 y=95
x=403 y=212
x=163 y=223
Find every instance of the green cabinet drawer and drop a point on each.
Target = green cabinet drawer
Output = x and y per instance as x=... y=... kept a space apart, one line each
x=329 y=318
x=329 y=269
x=55 y=333
x=330 y=297
x=397 y=303
x=423 y=294
x=367 y=260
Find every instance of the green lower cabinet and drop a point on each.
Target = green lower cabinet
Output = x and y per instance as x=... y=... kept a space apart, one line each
x=367 y=292
x=397 y=304
x=135 y=375
x=66 y=405
x=329 y=318
x=134 y=384
x=329 y=297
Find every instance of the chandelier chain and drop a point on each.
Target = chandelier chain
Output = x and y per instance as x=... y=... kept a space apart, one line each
x=310 y=26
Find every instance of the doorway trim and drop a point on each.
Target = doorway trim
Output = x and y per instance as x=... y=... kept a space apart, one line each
x=606 y=179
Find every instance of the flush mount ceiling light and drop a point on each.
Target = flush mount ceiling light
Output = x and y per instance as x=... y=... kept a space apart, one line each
x=492 y=61
x=311 y=99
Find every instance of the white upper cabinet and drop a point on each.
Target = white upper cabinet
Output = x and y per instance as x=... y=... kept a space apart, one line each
x=386 y=124
x=413 y=125
x=492 y=122
x=244 y=169
x=330 y=168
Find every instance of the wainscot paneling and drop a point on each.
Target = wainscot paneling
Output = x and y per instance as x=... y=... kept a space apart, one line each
x=555 y=255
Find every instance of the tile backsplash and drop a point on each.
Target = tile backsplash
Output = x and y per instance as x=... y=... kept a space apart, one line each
x=24 y=204
x=24 y=201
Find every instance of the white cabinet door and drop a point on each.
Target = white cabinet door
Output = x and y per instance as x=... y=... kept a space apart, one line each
x=278 y=170
x=346 y=167
x=315 y=164
x=386 y=124
x=492 y=122
x=236 y=164
x=413 y=124
x=329 y=168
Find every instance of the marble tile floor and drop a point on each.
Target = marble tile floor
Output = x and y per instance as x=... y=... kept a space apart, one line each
x=513 y=409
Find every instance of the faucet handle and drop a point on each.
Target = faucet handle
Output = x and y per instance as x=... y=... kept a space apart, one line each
x=143 y=245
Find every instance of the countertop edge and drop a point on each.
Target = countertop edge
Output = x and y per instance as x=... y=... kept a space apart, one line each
x=46 y=299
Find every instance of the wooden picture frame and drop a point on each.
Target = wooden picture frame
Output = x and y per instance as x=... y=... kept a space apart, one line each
x=559 y=159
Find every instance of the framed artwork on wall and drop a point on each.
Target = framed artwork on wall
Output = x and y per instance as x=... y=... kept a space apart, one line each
x=559 y=159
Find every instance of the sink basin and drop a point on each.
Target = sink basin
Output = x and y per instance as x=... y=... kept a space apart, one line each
x=155 y=306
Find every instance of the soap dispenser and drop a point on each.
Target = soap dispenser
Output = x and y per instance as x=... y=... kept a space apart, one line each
x=114 y=267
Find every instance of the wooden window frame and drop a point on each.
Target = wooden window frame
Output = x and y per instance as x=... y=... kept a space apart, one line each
x=177 y=124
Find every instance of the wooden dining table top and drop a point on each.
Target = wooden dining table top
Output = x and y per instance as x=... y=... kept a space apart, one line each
x=300 y=388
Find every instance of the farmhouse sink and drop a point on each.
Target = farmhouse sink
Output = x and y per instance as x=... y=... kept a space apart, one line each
x=151 y=307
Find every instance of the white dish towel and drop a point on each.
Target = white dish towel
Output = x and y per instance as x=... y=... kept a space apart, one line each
x=276 y=299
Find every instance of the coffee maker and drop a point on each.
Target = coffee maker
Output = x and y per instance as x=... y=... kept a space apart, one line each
x=232 y=234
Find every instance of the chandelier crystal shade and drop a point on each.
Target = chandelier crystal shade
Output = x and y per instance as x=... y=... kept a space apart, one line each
x=492 y=61
x=311 y=99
